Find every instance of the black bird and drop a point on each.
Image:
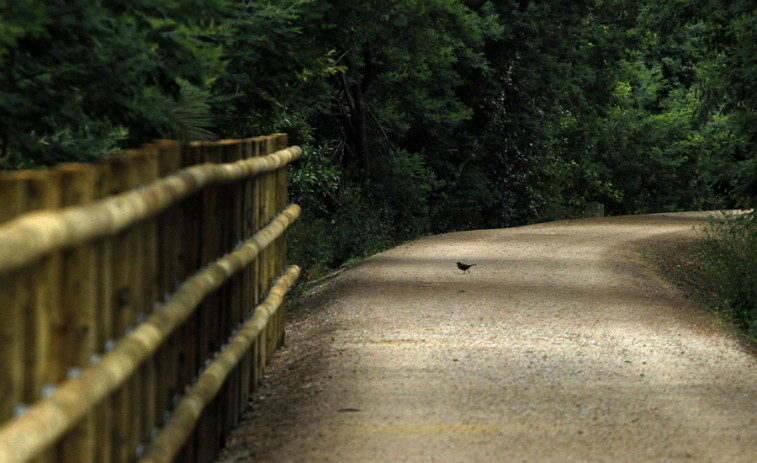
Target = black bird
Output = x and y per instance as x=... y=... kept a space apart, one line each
x=464 y=267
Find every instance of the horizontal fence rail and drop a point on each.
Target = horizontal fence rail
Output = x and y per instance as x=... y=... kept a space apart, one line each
x=177 y=430
x=37 y=234
x=141 y=297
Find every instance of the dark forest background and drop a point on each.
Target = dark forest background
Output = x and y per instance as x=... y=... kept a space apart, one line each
x=416 y=116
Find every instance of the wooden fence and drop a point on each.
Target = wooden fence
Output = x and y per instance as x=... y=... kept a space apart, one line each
x=140 y=299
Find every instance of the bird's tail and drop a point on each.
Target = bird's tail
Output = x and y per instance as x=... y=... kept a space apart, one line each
x=472 y=265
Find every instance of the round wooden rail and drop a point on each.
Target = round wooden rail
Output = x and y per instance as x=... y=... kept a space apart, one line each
x=36 y=234
x=177 y=430
x=46 y=421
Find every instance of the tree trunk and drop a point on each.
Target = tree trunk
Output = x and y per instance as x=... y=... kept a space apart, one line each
x=353 y=111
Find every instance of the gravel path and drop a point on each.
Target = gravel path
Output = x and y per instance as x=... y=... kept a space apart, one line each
x=561 y=345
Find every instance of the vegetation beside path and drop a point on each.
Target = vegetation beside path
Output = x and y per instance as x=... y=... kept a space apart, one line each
x=717 y=270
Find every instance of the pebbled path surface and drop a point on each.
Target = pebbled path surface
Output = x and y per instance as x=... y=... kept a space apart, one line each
x=561 y=345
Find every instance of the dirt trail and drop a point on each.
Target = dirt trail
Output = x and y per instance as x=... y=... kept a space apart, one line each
x=561 y=345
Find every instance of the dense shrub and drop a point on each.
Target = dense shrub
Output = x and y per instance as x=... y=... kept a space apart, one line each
x=319 y=243
x=729 y=256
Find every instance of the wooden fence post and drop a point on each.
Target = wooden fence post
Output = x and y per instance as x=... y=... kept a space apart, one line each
x=13 y=199
x=281 y=243
x=105 y=332
x=188 y=355
x=44 y=305
x=148 y=170
x=209 y=323
x=170 y=273
x=257 y=268
x=269 y=258
x=127 y=283
x=248 y=275
x=75 y=327
x=33 y=298
x=29 y=297
x=231 y=404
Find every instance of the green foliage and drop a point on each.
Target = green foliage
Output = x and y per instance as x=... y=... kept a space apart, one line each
x=658 y=160
x=314 y=181
x=80 y=77
x=529 y=155
x=644 y=148
x=355 y=230
x=274 y=72
x=729 y=71
x=730 y=258
x=406 y=193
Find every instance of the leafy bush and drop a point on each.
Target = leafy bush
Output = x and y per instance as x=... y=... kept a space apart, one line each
x=79 y=78
x=353 y=230
x=730 y=258
x=339 y=222
x=405 y=185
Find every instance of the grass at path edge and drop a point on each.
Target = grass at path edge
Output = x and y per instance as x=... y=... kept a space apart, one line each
x=686 y=264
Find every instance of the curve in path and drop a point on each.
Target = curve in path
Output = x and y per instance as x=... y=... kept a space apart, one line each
x=560 y=345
